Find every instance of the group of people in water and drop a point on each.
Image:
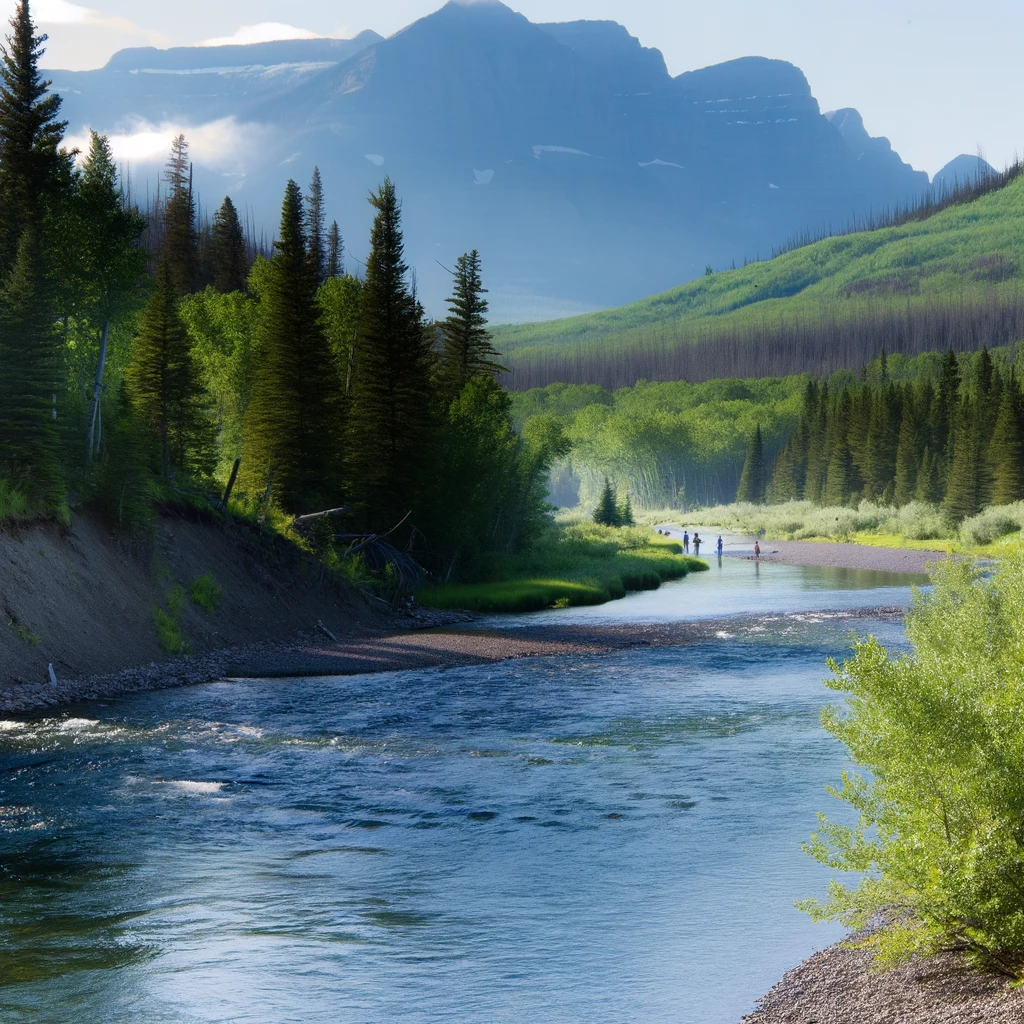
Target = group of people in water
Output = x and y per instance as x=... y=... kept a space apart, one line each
x=719 y=546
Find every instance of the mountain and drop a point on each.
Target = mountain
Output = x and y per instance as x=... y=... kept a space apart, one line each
x=583 y=171
x=955 y=278
x=962 y=170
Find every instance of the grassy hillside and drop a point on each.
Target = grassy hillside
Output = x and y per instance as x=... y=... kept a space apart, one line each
x=952 y=279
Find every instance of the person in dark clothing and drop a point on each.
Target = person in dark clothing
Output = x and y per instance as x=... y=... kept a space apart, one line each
x=696 y=544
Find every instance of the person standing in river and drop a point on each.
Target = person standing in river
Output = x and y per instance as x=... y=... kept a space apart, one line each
x=696 y=544
x=757 y=549
x=686 y=542
x=720 y=546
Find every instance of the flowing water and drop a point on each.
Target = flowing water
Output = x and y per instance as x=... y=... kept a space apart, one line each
x=598 y=839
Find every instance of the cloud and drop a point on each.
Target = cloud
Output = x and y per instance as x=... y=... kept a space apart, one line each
x=265 y=32
x=226 y=145
x=60 y=12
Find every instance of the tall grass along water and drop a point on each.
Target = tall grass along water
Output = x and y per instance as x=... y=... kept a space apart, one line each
x=574 y=839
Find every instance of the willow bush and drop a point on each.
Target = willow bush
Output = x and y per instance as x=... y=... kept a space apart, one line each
x=938 y=737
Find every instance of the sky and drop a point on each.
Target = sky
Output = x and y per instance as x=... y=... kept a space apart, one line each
x=937 y=77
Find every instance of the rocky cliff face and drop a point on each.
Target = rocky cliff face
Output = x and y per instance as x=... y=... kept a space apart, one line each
x=566 y=153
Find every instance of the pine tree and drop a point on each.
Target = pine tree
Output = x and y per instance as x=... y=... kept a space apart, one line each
x=839 y=477
x=883 y=440
x=962 y=499
x=164 y=385
x=752 y=480
x=907 y=457
x=928 y=484
x=293 y=424
x=30 y=136
x=467 y=348
x=389 y=440
x=229 y=257
x=944 y=412
x=335 y=251
x=1006 y=450
x=180 y=247
x=607 y=511
x=315 y=220
x=29 y=443
x=626 y=517
x=816 y=406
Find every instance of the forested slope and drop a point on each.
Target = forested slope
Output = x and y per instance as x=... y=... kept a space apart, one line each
x=952 y=279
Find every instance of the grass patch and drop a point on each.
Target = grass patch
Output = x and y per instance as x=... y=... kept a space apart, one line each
x=166 y=624
x=578 y=563
x=206 y=592
x=24 y=634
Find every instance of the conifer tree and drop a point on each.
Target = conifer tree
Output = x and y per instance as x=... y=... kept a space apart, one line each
x=467 y=348
x=335 y=251
x=752 y=480
x=1006 y=450
x=907 y=457
x=883 y=440
x=816 y=404
x=626 y=517
x=29 y=443
x=315 y=221
x=180 y=247
x=929 y=487
x=839 y=477
x=293 y=423
x=229 y=258
x=962 y=499
x=607 y=511
x=389 y=439
x=30 y=135
x=163 y=382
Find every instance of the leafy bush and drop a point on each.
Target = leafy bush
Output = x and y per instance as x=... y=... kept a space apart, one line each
x=993 y=523
x=169 y=633
x=23 y=633
x=13 y=502
x=206 y=592
x=939 y=841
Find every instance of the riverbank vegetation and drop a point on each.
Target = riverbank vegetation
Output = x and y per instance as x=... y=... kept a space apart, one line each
x=576 y=562
x=940 y=753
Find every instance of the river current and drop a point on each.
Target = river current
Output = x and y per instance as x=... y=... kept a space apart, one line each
x=578 y=839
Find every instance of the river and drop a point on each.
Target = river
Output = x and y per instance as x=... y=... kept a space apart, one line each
x=599 y=839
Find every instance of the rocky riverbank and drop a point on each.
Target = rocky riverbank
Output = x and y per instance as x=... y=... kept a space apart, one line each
x=840 y=986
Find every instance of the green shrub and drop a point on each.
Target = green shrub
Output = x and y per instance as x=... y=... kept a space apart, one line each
x=176 y=600
x=939 y=843
x=13 y=503
x=206 y=592
x=23 y=633
x=169 y=633
x=992 y=524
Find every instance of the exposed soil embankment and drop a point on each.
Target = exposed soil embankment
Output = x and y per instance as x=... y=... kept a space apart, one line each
x=838 y=986
x=82 y=600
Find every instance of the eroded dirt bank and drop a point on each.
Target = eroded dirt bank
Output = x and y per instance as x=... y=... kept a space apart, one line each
x=83 y=601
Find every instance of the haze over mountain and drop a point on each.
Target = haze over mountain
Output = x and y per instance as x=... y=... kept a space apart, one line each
x=586 y=175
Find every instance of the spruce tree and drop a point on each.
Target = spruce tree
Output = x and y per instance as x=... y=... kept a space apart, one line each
x=752 y=480
x=389 y=438
x=962 y=499
x=229 y=257
x=315 y=220
x=164 y=385
x=467 y=348
x=907 y=457
x=30 y=136
x=607 y=511
x=335 y=251
x=626 y=517
x=293 y=424
x=179 y=250
x=1006 y=450
x=883 y=440
x=29 y=442
x=839 y=485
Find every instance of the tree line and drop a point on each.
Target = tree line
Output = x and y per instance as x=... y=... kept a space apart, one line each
x=139 y=360
x=955 y=439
